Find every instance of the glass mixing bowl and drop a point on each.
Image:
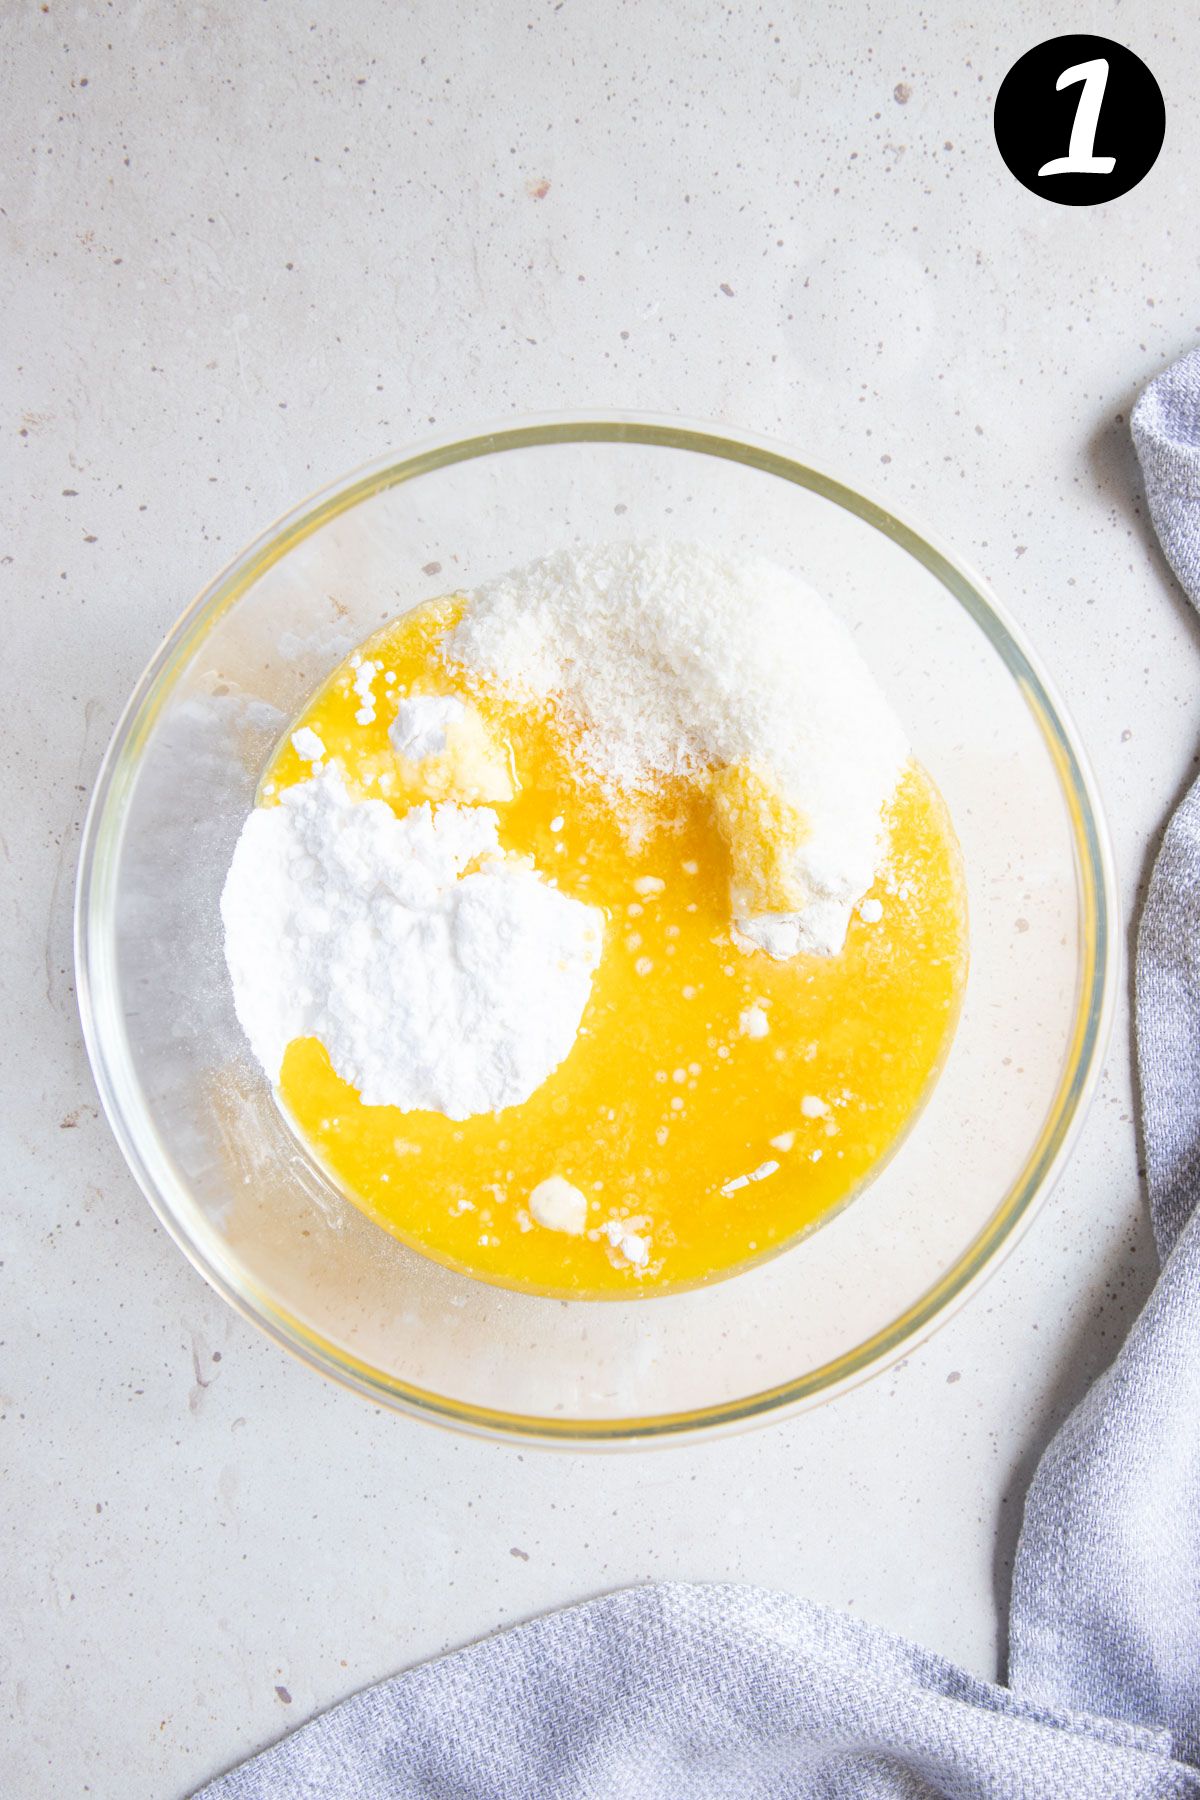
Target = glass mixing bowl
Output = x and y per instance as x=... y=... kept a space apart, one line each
x=196 y=1118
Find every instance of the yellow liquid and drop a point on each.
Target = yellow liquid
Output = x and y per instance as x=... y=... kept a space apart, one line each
x=665 y=1098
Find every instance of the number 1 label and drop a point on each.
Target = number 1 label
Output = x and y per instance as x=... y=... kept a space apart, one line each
x=1081 y=158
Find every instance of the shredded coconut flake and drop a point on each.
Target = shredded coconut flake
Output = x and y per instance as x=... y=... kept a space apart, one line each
x=741 y=1181
x=673 y=659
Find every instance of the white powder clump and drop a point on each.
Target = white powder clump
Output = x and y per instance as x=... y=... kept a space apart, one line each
x=431 y=988
x=673 y=659
x=365 y=672
x=448 y=747
x=629 y=1244
x=421 y=723
x=557 y=1204
x=307 y=745
x=754 y=1022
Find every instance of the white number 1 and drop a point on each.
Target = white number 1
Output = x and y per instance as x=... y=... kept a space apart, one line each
x=1081 y=158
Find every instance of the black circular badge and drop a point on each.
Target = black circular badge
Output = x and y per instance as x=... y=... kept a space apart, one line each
x=1079 y=120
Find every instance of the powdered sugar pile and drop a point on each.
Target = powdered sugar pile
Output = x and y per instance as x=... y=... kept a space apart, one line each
x=430 y=988
x=673 y=659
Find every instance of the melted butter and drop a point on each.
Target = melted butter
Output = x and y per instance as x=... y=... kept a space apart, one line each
x=762 y=832
x=713 y=1141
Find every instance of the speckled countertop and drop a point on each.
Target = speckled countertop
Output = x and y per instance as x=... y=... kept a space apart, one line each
x=248 y=245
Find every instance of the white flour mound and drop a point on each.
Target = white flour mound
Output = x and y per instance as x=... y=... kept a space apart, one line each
x=673 y=658
x=429 y=988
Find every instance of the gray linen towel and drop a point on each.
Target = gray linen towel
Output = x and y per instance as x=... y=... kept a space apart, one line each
x=698 y=1693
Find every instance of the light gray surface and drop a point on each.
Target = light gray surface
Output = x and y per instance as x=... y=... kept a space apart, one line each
x=187 y=1541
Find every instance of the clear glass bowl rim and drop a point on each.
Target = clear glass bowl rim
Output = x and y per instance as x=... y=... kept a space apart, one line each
x=167 y=1191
